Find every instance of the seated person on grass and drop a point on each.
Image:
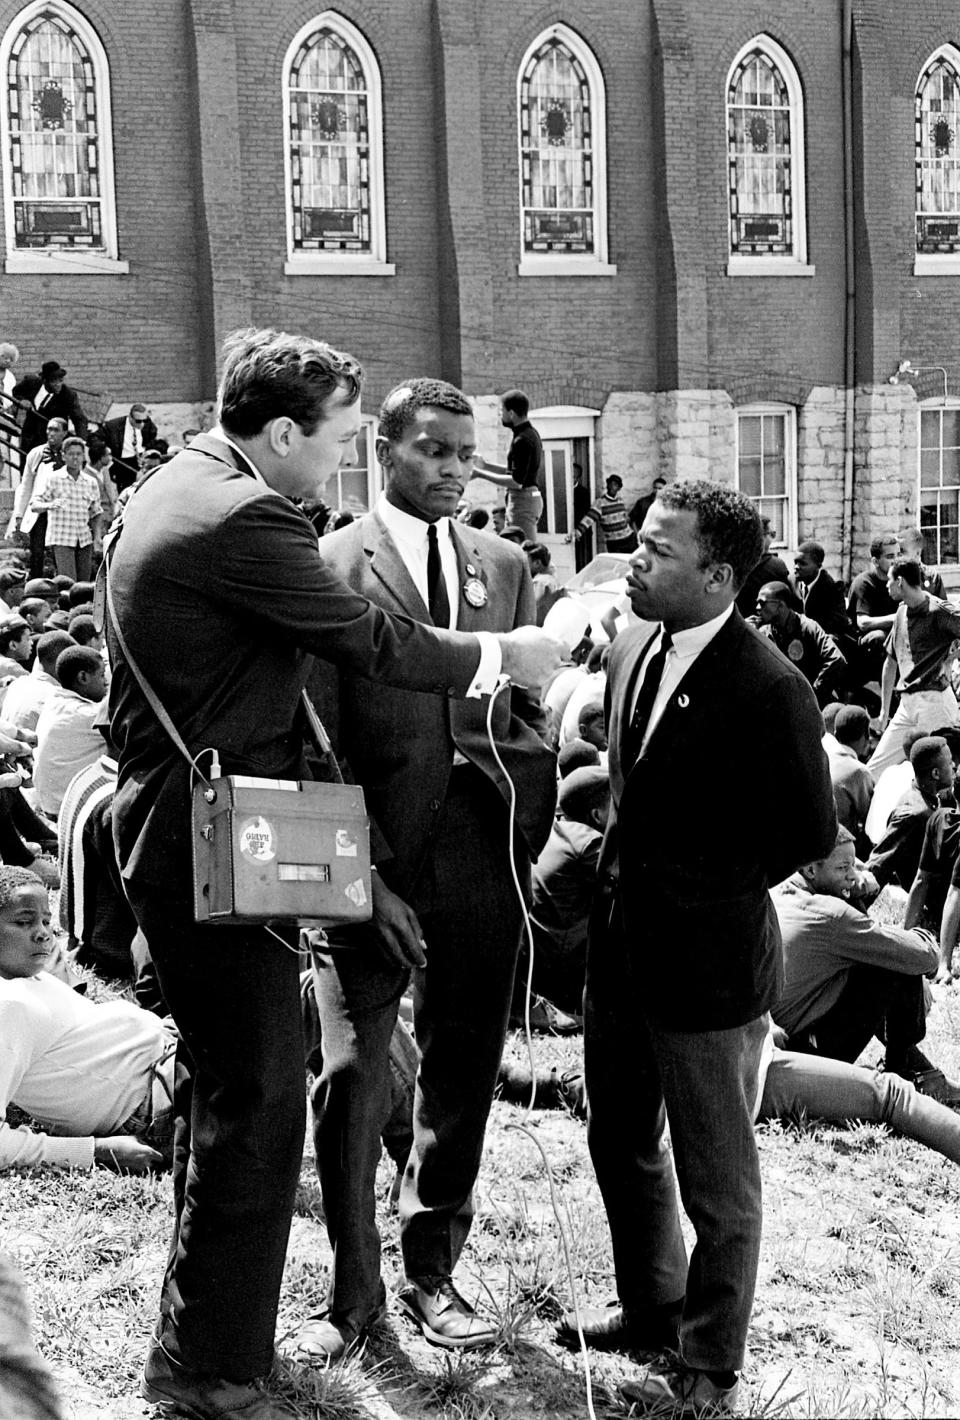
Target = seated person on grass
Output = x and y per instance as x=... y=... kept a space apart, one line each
x=97 y=1077
x=67 y=740
x=896 y=857
x=848 y=977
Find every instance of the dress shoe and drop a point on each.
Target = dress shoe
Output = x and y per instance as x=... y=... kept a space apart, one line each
x=201 y=1397
x=680 y=1392
x=934 y=1084
x=546 y=1018
x=618 y=1328
x=322 y=1339
x=442 y=1314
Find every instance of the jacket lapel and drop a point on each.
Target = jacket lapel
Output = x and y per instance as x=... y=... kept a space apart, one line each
x=470 y=569
x=389 y=568
x=693 y=692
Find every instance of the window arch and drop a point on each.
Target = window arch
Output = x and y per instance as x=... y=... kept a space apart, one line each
x=57 y=143
x=937 y=128
x=562 y=136
x=765 y=157
x=334 y=151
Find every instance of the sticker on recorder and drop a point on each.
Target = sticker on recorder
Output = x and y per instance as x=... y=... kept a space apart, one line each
x=346 y=844
x=356 y=892
x=256 y=840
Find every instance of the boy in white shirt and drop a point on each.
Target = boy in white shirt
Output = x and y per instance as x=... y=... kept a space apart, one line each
x=99 y=1077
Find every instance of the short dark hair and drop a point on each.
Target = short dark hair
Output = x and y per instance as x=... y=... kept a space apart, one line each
x=512 y=532
x=925 y=753
x=537 y=551
x=401 y=404
x=97 y=448
x=582 y=791
x=517 y=402
x=137 y=408
x=32 y=604
x=879 y=543
x=12 y=878
x=909 y=570
x=73 y=661
x=268 y=374
x=11 y=629
x=728 y=524
x=83 y=629
x=478 y=518
x=851 y=724
x=49 y=646
x=56 y=422
x=813 y=549
x=81 y=609
x=576 y=754
x=80 y=592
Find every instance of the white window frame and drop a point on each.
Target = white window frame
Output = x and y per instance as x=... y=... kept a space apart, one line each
x=595 y=263
x=934 y=263
x=367 y=458
x=788 y=533
x=794 y=264
x=374 y=262
x=925 y=406
x=103 y=262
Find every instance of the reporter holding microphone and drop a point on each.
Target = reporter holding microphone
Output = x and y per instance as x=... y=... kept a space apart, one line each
x=223 y=600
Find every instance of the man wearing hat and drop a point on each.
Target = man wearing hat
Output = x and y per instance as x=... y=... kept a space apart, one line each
x=609 y=514
x=45 y=396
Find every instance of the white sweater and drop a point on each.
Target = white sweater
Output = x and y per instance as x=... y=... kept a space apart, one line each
x=78 y=1068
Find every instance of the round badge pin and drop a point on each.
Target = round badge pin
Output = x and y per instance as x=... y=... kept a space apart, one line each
x=475 y=592
x=795 y=650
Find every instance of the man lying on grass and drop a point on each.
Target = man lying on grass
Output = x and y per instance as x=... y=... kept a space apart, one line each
x=99 y=1078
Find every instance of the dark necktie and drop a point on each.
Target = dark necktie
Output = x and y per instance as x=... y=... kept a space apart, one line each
x=437 y=598
x=652 y=676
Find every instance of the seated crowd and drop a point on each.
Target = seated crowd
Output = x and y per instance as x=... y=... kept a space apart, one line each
x=93 y=1082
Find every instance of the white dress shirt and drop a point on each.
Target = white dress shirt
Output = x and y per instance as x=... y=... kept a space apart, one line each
x=409 y=535
x=687 y=646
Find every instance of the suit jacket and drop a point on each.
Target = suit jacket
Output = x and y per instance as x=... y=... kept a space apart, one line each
x=64 y=405
x=112 y=431
x=223 y=598
x=824 y=604
x=691 y=845
x=399 y=745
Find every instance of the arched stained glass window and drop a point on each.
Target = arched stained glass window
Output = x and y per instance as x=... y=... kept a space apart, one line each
x=57 y=150
x=765 y=154
x=561 y=129
x=937 y=154
x=334 y=143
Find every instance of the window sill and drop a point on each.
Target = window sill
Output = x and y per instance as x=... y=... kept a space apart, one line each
x=337 y=266
x=565 y=266
x=37 y=263
x=768 y=266
x=936 y=265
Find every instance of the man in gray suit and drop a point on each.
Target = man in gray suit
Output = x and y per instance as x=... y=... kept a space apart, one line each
x=439 y=802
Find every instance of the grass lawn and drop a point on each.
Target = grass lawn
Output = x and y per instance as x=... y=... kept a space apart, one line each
x=856 y=1310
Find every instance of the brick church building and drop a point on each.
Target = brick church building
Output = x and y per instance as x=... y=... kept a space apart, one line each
x=705 y=239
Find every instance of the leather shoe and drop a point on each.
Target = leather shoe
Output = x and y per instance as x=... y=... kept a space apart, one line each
x=680 y=1392
x=322 y=1339
x=934 y=1084
x=442 y=1314
x=618 y=1328
x=187 y=1393
x=546 y=1018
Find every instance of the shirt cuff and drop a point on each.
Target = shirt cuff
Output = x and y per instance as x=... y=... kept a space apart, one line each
x=488 y=671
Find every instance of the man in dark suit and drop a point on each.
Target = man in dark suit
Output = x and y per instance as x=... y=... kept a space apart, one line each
x=440 y=802
x=42 y=397
x=222 y=598
x=822 y=597
x=684 y=954
x=127 y=438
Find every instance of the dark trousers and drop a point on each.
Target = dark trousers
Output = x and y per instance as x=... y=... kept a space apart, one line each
x=467 y=907
x=639 y=1075
x=873 y=1002
x=38 y=543
x=239 y=1118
